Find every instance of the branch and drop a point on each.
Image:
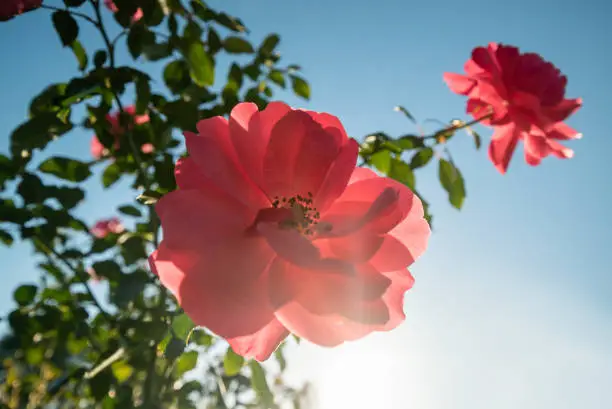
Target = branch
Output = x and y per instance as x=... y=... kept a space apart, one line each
x=74 y=13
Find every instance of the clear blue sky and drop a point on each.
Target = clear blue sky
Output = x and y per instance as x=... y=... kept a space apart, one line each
x=512 y=306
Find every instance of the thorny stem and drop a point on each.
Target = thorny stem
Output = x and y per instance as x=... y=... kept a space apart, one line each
x=463 y=125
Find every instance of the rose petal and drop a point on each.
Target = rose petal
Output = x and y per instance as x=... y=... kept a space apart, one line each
x=261 y=344
x=502 y=146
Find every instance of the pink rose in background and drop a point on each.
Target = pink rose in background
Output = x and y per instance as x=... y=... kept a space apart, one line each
x=274 y=231
x=526 y=96
x=98 y=150
x=106 y=226
x=113 y=8
x=12 y=8
x=93 y=275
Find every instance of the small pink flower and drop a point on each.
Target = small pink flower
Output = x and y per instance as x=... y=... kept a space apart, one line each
x=113 y=8
x=98 y=150
x=93 y=275
x=526 y=96
x=147 y=148
x=274 y=231
x=106 y=226
x=12 y=8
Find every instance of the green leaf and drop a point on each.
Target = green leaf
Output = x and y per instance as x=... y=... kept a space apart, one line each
x=157 y=51
x=182 y=326
x=66 y=168
x=138 y=38
x=122 y=371
x=237 y=45
x=143 y=95
x=421 y=158
x=475 y=135
x=25 y=294
x=130 y=210
x=277 y=77
x=269 y=44
x=66 y=27
x=37 y=132
x=80 y=54
x=133 y=249
x=174 y=348
x=6 y=238
x=202 y=66
x=111 y=174
x=452 y=182
x=149 y=197
x=186 y=362
x=108 y=269
x=68 y=196
x=100 y=58
x=129 y=288
x=176 y=76
x=381 y=160
x=401 y=172
x=300 y=86
x=404 y=111
x=409 y=142
x=260 y=384
x=183 y=114
x=232 y=362
x=74 y=3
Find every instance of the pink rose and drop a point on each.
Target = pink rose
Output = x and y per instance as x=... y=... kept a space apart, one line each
x=526 y=96
x=12 y=8
x=98 y=150
x=106 y=226
x=274 y=231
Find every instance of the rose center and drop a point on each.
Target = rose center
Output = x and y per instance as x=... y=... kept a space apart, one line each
x=304 y=217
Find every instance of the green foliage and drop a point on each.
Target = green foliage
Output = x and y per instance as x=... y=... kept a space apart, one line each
x=129 y=344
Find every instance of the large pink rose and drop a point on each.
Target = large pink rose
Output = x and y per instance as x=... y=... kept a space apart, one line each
x=526 y=96
x=274 y=231
x=98 y=150
x=12 y=8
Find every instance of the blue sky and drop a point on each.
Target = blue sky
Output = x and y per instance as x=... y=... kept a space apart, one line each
x=512 y=306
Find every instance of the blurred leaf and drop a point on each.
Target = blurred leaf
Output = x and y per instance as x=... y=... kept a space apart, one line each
x=475 y=135
x=174 y=348
x=157 y=51
x=182 y=326
x=452 y=181
x=408 y=142
x=176 y=76
x=260 y=384
x=37 y=132
x=66 y=168
x=237 y=45
x=277 y=77
x=80 y=54
x=232 y=362
x=66 y=27
x=6 y=238
x=138 y=38
x=108 y=269
x=122 y=371
x=186 y=362
x=280 y=357
x=183 y=114
x=421 y=158
x=68 y=196
x=111 y=174
x=401 y=172
x=133 y=249
x=100 y=58
x=381 y=160
x=202 y=67
x=143 y=96
x=300 y=86
x=149 y=197
x=130 y=286
x=25 y=294
x=130 y=210
x=404 y=111
x=269 y=44
x=74 y=3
